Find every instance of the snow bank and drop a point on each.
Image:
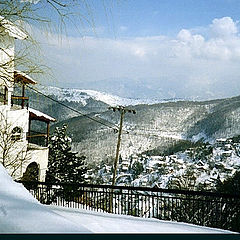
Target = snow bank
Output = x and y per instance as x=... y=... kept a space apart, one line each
x=21 y=213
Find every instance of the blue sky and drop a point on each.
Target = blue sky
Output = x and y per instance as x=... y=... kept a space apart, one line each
x=151 y=48
x=167 y=17
x=158 y=17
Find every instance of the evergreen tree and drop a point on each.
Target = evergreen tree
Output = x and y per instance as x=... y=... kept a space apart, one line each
x=137 y=168
x=64 y=166
x=231 y=185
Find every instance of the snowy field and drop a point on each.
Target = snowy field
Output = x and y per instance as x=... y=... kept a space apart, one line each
x=21 y=213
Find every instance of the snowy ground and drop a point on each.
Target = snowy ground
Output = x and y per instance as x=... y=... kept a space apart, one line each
x=21 y=213
x=113 y=223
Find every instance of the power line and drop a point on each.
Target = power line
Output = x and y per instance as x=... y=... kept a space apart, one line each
x=114 y=127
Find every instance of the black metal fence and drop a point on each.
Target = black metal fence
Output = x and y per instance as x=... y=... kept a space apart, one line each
x=201 y=208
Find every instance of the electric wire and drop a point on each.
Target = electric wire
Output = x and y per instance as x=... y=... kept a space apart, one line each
x=112 y=126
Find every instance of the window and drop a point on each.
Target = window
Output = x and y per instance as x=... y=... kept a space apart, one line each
x=16 y=133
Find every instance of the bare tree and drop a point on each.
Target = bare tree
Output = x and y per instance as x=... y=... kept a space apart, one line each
x=16 y=19
x=49 y=16
x=13 y=145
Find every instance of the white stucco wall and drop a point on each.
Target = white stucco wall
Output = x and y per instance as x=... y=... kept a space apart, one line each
x=6 y=59
x=18 y=118
x=21 y=152
x=3 y=111
x=10 y=151
x=40 y=156
x=17 y=155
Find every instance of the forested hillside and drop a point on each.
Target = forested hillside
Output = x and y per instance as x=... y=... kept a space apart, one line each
x=155 y=126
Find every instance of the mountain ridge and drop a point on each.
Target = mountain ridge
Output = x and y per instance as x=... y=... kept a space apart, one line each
x=81 y=95
x=155 y=125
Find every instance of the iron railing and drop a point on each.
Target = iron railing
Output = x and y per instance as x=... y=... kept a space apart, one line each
x=202 y=208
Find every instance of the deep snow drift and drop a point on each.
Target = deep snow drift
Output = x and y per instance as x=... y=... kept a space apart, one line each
x=21 y=213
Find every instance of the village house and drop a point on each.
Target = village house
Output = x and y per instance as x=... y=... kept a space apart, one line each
x=125 y=165
x=17 y=148
x=222 y=142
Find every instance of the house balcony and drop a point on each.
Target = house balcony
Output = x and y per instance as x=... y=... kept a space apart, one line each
x=16 y=101
x=17 y=98
x=38 y=138
x=40 y=119
x=21 y=101
x=21 y=80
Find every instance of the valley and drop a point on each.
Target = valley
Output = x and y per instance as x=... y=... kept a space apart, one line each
x=157 y=125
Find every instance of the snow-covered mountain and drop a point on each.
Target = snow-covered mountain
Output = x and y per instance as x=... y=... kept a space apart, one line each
x=155 y=126
x=81 y=96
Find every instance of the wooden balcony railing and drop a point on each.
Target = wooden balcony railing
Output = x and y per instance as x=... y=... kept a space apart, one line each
x=38 y=138
x=20 y=101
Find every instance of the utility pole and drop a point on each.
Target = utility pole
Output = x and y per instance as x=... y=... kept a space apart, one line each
x=122 y=111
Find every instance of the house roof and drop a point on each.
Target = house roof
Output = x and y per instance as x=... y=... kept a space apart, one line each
x=37 y=115
x=23 y=77
x=12 y=29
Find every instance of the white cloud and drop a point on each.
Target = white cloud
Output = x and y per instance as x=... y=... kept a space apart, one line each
x=185 y=35
x=139 y=52
x=189 y=64
x=223 y=27
x=223 y=42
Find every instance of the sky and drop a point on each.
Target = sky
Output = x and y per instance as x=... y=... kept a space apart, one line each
x=156 y=49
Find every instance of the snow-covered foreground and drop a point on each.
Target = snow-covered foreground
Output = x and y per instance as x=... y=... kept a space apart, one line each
x=113 y=223
x=21 y=213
